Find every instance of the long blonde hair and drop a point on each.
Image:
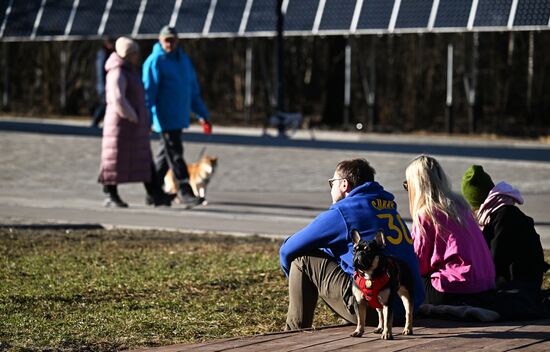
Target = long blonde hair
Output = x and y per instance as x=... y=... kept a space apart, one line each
x=430 y=192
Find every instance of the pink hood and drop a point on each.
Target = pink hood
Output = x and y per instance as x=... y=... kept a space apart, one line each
x=115 y=61
x=502 y=194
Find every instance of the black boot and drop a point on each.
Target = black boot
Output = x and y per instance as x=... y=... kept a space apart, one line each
x=162 y=199
x=186 y=196
x=156 y=195
x=112 y=199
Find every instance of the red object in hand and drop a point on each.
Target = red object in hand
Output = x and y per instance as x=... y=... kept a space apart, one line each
x=207 y=128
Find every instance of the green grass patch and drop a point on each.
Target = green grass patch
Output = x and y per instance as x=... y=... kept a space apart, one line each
x=120 y=289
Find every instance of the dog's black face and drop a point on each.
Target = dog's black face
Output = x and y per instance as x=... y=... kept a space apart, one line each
x=366 y=255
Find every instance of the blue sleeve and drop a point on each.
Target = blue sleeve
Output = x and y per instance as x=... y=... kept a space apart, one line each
x=197 y=105
x=327 y=229
x=150 y=82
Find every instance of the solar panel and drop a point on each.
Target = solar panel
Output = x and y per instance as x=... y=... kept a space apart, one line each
x=122 y=17
x=492 y=13
x=453 y=13
x=21 y=18
x=192 y=16
x=375 y=14
x=54 y=18
x=337 y=15
x=300 y=15
x=156 y=15
x=414 y=13
x=3 y=8
x=263 y=16
x=227 y=16
x=88 y=17
x=532 y=13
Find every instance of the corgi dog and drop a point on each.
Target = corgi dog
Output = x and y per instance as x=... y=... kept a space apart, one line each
x=200 y=174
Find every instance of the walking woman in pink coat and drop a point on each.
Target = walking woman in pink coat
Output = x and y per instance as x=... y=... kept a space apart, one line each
x=126 y=150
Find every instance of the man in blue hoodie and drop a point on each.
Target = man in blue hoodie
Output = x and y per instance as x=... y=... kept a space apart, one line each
x=318 y=260
x=171 y=93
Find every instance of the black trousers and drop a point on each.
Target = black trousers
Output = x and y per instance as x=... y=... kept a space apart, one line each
x=170 y=156
x=433 y=296
x=153 y=187
x=99 y=113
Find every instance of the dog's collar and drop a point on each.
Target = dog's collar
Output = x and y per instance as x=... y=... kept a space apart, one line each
x=372 y=287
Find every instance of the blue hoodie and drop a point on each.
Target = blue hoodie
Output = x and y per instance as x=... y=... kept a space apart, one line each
x=367 y=208
x=171 y=89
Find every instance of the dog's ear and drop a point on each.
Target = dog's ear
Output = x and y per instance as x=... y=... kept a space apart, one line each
x=355 y=236
x=380 y=238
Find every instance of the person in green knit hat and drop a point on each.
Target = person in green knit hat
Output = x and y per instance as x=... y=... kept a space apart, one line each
x=513 y=241
x=476 y=185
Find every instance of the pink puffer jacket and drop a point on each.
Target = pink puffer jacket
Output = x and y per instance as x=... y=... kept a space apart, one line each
x=125 y=148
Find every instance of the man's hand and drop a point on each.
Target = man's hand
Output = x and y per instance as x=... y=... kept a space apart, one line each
x=206 y=126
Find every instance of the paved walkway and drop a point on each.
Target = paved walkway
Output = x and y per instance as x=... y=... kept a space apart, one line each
x=264 y=185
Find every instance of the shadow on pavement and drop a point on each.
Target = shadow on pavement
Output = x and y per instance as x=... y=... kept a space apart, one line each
x=53 y=226
x=463 y=150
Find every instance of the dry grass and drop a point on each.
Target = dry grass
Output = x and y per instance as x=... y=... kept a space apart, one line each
x=119 y=289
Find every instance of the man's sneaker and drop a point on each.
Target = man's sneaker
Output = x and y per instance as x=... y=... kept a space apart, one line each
x=165 y=199
x=187 y=198
x=114 y=201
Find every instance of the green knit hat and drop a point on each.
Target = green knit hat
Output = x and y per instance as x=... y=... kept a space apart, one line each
x=476 y=185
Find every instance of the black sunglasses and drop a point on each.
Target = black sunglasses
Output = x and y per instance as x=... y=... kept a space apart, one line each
x=331 y=181
x=406 y=185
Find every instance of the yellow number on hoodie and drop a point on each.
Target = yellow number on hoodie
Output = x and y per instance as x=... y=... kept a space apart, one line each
x=398 y=233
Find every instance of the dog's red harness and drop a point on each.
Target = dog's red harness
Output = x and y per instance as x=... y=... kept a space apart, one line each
x=370 y=288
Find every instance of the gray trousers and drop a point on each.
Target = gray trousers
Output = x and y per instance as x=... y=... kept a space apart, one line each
x=312 y=276
x=170 y=156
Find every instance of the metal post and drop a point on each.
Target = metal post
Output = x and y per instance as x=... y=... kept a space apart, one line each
x=5 y=77
x=449 y=101
x=63 y=77
x=347 y=83
x=371 y=98
x=248 y=81
x=280 y=68
x=530 y=70
x=472 y=94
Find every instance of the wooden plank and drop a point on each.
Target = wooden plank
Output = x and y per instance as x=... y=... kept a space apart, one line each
x=233 y=343
x=422 y=340
x=183 y=346
x=400 y=342
x=539 y=346
x=423 y=336
x=216 y=345
x=430 y=335
x=520 y=338
x=305 y=341
x=354 y=343
x=493 y=338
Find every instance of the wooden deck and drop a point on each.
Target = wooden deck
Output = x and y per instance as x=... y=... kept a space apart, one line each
x=429 y=335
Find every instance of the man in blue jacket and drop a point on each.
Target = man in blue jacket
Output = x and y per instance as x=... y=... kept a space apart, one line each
x=171 y=93
x=318 y=260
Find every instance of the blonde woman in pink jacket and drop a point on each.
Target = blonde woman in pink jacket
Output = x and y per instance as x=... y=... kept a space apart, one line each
x=454 y=259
